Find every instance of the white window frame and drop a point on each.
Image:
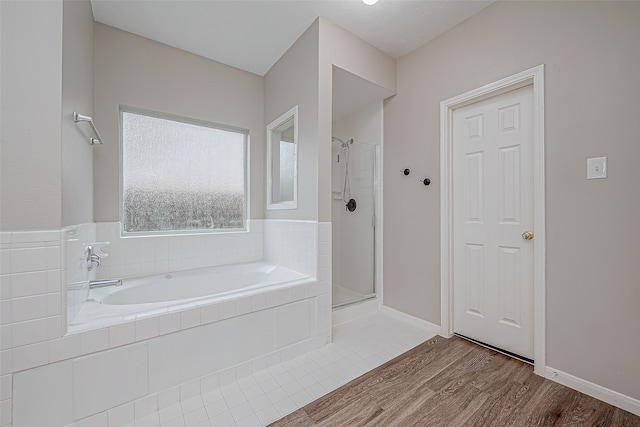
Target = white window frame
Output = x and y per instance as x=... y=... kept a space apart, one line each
x=292 y=114
x=166 y=116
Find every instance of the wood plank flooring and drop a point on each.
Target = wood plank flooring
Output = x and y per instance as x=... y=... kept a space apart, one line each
x=452 y=382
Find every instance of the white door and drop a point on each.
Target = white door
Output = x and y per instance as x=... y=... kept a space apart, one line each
x=492 y=209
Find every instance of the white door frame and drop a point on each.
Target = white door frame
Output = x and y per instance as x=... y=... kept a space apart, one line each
x=535 y=77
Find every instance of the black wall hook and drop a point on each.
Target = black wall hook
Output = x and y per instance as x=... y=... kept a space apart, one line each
x=406 y=172
x=426 y=181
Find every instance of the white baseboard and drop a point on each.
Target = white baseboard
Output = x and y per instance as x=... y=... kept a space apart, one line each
x=350 y=312
x=423 y=324
x=594 y=390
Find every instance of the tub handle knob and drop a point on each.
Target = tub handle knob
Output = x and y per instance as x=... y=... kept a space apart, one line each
x=93 y=259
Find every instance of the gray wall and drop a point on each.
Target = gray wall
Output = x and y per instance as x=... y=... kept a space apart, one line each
x=303 y=76
x=138 y=72
x=77 y=95
x=344 y=50
x=293 y=80
x=30 y=165
x=590 y=51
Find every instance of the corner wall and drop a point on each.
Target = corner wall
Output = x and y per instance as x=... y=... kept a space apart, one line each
x=591 y=64
x=344 y=50
x=293 y=80
x=134 y=71
x=30 y=177
x=77 y=95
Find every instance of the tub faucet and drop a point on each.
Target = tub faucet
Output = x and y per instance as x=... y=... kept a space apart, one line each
x=93 y=259
x=102 y=283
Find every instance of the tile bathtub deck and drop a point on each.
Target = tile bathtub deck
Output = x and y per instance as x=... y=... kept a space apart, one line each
x=259 y=399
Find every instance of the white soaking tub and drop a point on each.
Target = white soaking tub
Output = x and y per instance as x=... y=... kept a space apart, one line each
x=154 y=295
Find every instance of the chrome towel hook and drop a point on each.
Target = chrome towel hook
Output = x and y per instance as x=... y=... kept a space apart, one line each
x=80 y=118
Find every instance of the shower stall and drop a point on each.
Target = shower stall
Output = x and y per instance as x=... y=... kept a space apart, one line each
x=354 y=183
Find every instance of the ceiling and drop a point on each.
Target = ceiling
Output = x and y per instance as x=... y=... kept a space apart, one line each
x=253 y=34
x=351 y=92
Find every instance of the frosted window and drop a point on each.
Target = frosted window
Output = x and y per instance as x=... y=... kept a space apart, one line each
x=287 y=169
x=181 y=176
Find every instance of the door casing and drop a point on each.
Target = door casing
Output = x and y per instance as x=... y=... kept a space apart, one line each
x=534 y=77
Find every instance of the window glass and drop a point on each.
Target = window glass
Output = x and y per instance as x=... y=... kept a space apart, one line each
x=180 y=176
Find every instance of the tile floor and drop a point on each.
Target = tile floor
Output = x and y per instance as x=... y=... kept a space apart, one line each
x=259 y=399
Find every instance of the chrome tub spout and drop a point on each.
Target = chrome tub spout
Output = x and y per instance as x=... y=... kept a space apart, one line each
x=102 y=283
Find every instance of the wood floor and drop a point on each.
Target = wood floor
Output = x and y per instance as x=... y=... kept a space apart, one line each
x=452 y=382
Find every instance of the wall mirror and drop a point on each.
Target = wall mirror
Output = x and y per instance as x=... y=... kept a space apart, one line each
x=282 y=161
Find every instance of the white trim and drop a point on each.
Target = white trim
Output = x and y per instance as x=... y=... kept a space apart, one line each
x=193 y=122
x=594 y=390
x=292 y=114
x=301 y=221
x=407 y=318
x=535 y=77
x=379 y=219
x=350 y=312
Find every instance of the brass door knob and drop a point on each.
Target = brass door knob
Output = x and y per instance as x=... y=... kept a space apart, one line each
x=527 y=235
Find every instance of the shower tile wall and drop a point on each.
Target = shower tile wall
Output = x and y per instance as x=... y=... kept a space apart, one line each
x=357 y=244
x=353 y=231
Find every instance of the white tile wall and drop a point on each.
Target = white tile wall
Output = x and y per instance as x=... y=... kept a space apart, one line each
x=323 y=286
x=143 y=255
x=5 y=412
x=30 y=305
x=210 y=348
x=292 y=244
x=292 y=323
x=43 y=396
x=108 y=379
x=172 y=322
x=31 y=292
x=64 y=348
x=260 y=395
x=121 y=415
x=94 y=341
x=105 y=379
x=6 y=387
x=75 y=274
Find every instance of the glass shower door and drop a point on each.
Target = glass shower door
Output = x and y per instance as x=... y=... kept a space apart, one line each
x=353 y=221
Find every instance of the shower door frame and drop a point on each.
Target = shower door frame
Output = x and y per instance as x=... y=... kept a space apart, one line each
x=377 y=232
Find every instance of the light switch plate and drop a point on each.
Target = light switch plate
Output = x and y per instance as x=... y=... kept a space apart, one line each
x=597 y=168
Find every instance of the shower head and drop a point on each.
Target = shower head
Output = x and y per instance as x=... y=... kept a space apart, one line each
x=344 y=144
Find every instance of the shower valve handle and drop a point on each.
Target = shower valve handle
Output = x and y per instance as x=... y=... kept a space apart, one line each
x=351 y=205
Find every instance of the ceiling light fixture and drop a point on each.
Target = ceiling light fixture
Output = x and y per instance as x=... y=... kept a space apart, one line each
x=370 y=2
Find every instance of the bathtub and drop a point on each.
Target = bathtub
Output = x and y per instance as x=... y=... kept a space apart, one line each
x=139 y=297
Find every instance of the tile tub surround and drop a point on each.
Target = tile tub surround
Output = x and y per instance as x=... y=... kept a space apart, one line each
x=270 y=389
x=32 y=305
x=254 y=283
x=56 y=347
x=295 y=244
x=292 y=244
x=173 y=352
x=154 y=254
x=75 y=275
